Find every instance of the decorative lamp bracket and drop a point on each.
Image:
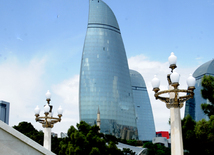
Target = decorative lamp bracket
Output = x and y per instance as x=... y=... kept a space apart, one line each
x=172 y=66
x=176 y=102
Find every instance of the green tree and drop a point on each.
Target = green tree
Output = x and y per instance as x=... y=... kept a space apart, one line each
x=127 y=151
x=204 y=131
x=38 y=136
x=29 y=130
x=87 y=140
x=189 y=137
x=198 y=137
x=112 y=149
x=55 y=141
x=132 y=142
x=111 y=138
x=208 y=93
x=156 y=149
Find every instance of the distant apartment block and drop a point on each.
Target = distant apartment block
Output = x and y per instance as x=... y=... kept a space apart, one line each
x=162 y=138
x=4 y=111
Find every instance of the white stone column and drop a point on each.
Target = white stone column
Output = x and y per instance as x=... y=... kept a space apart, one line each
x=47 y=138
x=176 y=132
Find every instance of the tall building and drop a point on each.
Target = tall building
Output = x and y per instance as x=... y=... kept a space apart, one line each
x=193 y=106
x=4 y=111
x=143 y=109
x=104 y=75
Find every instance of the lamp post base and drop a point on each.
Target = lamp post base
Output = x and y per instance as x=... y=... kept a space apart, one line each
x=176 y=132
x=47 y=138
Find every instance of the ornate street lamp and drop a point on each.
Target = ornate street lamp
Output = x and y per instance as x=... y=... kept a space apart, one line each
x=174 y=102
x=48 y=120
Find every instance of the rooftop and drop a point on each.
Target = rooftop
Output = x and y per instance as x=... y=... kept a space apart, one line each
x=206 y=68
x=137 y=79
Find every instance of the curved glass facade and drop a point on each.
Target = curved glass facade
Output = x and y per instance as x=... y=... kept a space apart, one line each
x=193 y=106
x=104 y=75
x=190 y=108
x=143 y=109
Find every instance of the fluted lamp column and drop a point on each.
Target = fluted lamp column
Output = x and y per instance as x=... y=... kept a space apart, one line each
x=174 y=102
x=48 y=120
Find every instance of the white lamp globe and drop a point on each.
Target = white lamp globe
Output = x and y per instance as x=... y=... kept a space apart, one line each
x=47 y=108
x=172 y=59
x=60 y=110
x=48 y=95
x=37 y=110
x=191 y=81
x=155 y=82
x=174 y=77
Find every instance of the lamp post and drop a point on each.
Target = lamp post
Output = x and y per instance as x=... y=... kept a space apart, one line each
x=48 y=120
x=174 y=102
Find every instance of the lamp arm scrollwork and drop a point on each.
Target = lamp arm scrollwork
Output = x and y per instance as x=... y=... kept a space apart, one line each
x=163 y=99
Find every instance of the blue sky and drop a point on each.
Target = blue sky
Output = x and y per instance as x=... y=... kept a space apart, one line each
x=41 y=44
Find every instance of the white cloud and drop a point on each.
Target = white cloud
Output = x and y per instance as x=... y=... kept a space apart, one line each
x=68 y=90
x=67 y=93
x=148 y=69
x=20 y=85
x=24 y=86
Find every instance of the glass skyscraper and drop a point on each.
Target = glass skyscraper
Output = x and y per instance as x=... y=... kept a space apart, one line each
x=193 y=106
x=143 y=109
x=104 y=76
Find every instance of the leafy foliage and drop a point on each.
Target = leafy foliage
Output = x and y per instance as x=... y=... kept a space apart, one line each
x=28 y=130
x=156 y=149
x=38 y=136
x=86 y=140
x=83 y=140
x=55 y=141
x=131 y=142
x=204 y=131
x=198 y=137
x=189 y=137
x=128 y=152
x=208 y=93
